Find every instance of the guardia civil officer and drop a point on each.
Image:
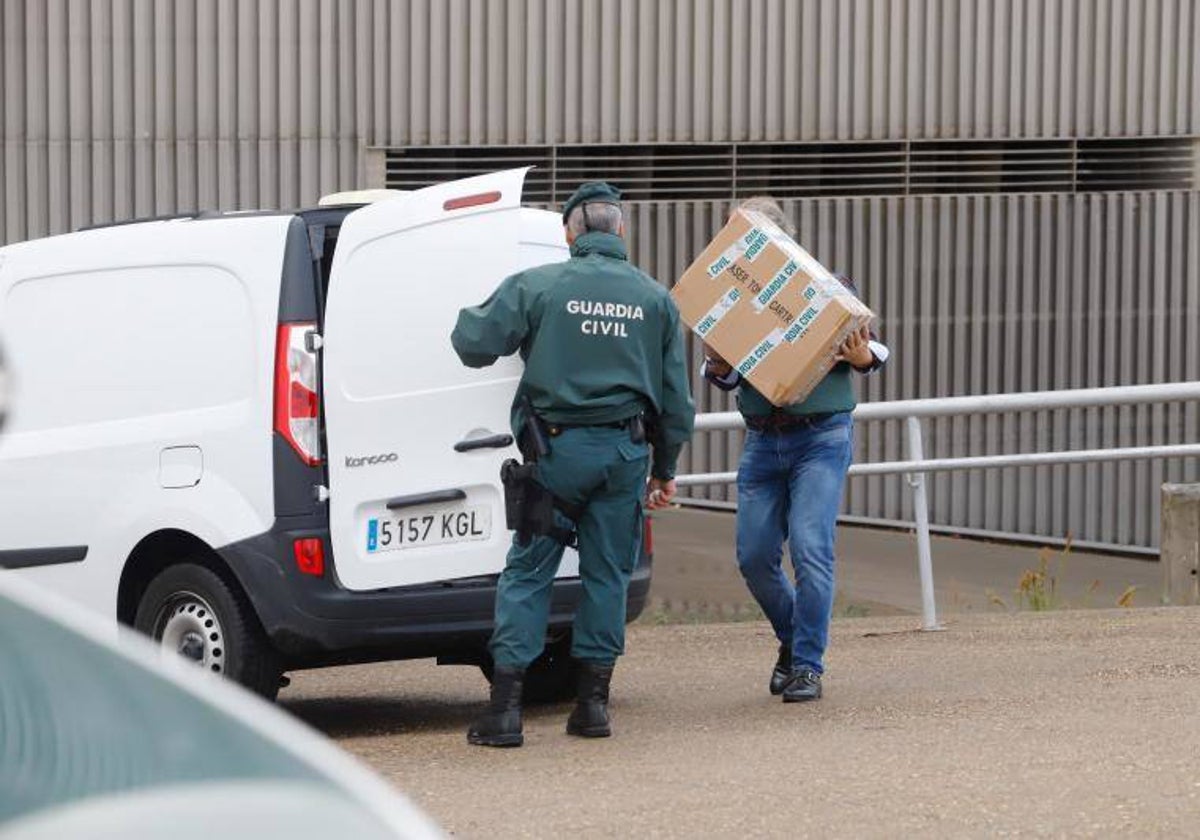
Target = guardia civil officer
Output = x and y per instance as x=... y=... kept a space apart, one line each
x=604 y=358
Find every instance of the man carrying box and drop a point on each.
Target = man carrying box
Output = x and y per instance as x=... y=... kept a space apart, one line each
x=790 y=482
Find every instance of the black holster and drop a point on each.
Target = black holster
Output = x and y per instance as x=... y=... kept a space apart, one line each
x=529 y=507
x=637 y=428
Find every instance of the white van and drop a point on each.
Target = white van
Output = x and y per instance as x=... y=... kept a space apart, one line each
x=247 y=435
x=3 y=390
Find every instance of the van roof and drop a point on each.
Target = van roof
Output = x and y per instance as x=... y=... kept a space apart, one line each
x=200 y=216
x=324 y=216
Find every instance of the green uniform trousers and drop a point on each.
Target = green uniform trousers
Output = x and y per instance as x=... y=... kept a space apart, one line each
x=602 y=467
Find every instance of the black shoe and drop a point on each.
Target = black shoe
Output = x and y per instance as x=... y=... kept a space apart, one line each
x=589 y=718
x=782 y=672
x=500 y=725
x=805 y=684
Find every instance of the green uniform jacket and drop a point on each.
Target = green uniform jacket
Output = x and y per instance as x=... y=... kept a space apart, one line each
x=600 y=340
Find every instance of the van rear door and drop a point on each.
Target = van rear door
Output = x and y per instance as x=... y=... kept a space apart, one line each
x=416 y=439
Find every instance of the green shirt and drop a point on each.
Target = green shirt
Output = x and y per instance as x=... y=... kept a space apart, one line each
x=834 y=393
x=600 y=340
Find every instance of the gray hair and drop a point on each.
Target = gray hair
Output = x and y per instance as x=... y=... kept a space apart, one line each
x=770 y=208
x=596 y=215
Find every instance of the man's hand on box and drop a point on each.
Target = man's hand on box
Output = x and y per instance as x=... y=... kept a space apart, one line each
x=857 y=350
x=659 y=493
x=716 y=365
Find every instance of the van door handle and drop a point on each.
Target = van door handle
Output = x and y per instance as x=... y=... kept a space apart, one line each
x=426 y=498
x=492 y=442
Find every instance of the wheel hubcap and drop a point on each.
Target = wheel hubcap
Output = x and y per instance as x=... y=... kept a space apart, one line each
x=187 y=626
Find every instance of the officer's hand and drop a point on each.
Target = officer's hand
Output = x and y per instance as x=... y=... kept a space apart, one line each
x=717 y=366
x=856 y=350
x=659 y=493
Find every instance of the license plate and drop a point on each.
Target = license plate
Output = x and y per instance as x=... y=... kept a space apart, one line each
x=419 y=529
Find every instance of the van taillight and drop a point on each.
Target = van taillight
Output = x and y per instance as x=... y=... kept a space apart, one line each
x=648 y=537
x=310 y=556
x=297 y=407
x=464 y=201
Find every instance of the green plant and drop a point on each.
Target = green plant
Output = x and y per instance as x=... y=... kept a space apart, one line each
x=854 y=611
x=1037 y=589
x=1126 y=599
x=843 y=607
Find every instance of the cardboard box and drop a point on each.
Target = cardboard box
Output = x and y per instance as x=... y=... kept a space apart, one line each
x=771 y=310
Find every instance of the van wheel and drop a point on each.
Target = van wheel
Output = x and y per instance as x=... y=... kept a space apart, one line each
x=191 y=611
x=550 y=678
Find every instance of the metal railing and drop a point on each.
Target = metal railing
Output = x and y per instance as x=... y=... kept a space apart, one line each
x=913 y=411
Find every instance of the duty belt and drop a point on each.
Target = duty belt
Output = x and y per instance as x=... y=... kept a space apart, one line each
x=556 y=429
x=782 y=422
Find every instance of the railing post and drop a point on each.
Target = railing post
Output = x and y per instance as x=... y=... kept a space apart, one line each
x=916 y=481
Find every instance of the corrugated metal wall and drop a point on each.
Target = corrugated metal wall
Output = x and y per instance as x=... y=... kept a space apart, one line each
x=121 y=108
x=580 y=71
x=990 y=294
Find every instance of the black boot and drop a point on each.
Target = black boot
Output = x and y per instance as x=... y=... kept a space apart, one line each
x=500 y=725
x=589 y=718
x=782 y=672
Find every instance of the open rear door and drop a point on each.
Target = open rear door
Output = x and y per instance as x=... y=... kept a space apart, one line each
x=416 y=439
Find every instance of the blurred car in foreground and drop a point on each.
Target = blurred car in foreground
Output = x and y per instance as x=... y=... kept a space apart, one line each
x=102 y=738
x=3 y=390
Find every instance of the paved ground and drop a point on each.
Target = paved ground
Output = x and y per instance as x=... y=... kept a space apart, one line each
x=1080 y=723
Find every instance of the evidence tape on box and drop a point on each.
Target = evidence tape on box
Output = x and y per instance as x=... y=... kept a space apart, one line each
x=720 y=310
x=817 y=273
x=820 y=282
x=763 y=299
x=816 y=305
x=750 y=245
x=790 y=335
x=761 y=350
x=756 y=242
x=831 y=286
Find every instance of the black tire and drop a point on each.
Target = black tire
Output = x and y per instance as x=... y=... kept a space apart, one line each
x=550 y=678
x=202 y=613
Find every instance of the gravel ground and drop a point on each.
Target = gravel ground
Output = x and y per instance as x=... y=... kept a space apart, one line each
x=1083 y=723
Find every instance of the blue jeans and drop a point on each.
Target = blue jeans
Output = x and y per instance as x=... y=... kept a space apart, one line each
x=790 y=488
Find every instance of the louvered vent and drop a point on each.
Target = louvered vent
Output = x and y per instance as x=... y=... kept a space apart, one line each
x=798 y=170
x=1168 y=163
x=420 y=166
x=648 y=173
x=667 y=171
x=990 y=167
